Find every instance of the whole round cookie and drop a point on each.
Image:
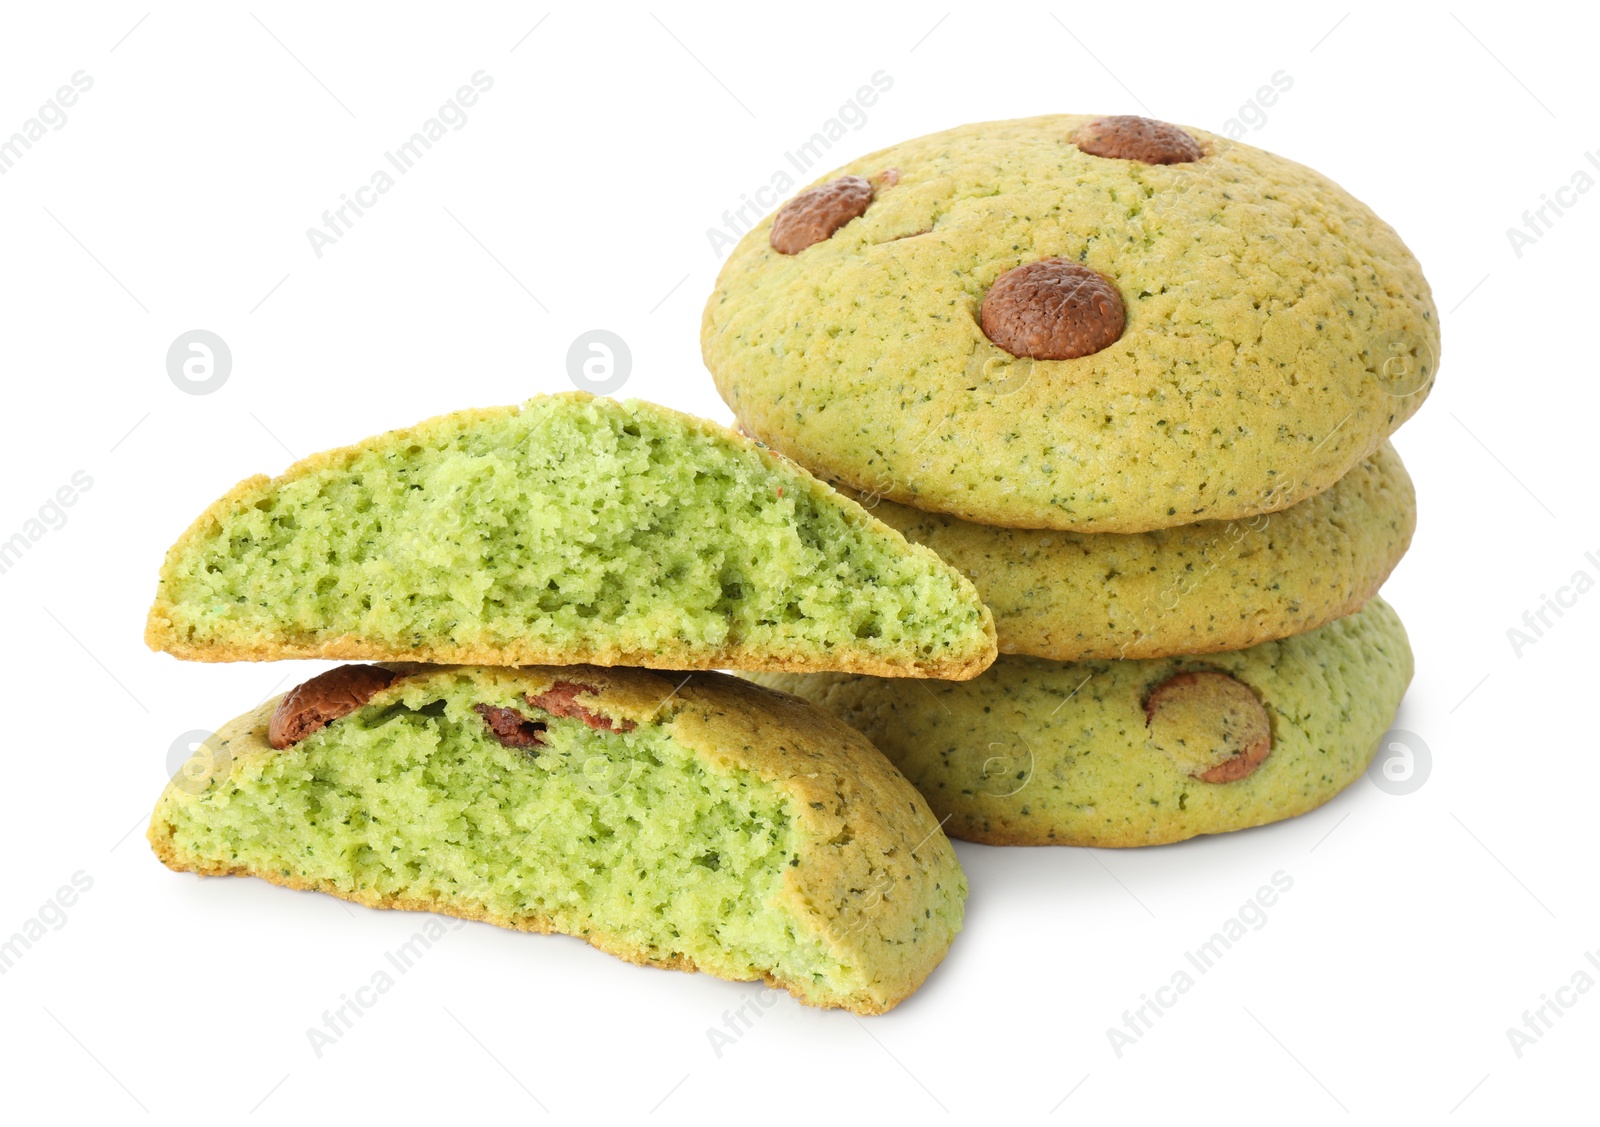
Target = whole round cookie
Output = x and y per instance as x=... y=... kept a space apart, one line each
x=1124 y=753
x=1197 y=588
x=1066 y=322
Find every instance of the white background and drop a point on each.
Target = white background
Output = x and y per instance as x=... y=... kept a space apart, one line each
x=578 y=196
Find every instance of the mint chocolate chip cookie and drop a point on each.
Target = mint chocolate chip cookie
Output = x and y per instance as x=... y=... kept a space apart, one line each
x=696 y=823
x=1193 y=589
x=1074 y=323
x=570 y=529
x=1123 y=753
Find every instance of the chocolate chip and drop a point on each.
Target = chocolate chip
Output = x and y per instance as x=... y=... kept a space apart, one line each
x=1212 y=724
x=1137 y=138
x=815 y=214
x=1053 y=310
x=509 y=726
x=322 y=700
x=560 y=699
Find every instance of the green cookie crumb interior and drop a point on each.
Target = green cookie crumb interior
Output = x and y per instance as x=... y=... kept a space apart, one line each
x=616 y=834
x=576 y=523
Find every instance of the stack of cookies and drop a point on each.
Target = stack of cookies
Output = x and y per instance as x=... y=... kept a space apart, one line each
x=1137 y=383
x=693 y=821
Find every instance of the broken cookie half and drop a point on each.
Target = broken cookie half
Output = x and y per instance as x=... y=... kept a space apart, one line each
x=696 y=824
x=569 y=529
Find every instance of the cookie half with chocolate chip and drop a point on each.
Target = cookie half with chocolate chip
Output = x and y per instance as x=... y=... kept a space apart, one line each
x=1080 y=323
x=691 y=823
x=1125 y=753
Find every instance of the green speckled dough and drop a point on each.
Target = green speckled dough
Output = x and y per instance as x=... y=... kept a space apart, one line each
x=568 y=529
x=1037 y=752
x=701 y=824
x=1277 y=331
x=1198 y=588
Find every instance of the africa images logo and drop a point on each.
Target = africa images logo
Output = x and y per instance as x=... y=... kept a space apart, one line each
x=339 y=221
x=802 y=158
